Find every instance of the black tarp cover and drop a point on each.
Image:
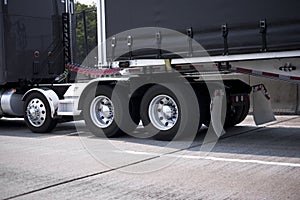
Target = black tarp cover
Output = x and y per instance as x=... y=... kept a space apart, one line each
x=205 y=17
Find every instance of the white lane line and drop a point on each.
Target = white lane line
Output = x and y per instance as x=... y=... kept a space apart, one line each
x=139 y=153
x=215 y=159
x=242 y=161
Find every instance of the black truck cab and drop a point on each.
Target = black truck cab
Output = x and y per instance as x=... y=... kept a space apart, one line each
x=31 y=46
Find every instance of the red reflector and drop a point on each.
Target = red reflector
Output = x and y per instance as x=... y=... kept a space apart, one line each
x=249 y=71
x=295 y=78
x=270 y=74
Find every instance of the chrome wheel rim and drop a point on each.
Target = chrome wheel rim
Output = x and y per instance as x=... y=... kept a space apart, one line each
x=36 y=112
x=102 y=111
x=163 y=112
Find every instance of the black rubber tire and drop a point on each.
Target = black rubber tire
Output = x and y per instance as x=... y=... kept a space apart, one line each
x=122 y=122
x=185 y=120
x=245 y=112
x=49 y=123
x=237 y=114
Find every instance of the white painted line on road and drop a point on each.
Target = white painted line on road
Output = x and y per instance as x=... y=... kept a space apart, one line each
x=241 y=161
x=216 y=159
x=139 y=153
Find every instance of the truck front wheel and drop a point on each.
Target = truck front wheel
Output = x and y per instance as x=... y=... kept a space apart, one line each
x=37 y=114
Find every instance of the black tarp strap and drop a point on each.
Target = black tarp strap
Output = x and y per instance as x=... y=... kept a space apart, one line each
x=225 y=36
x=158 y=43
x=113 y=48
x=129 y=44
x=263 y=32
x=190 y=34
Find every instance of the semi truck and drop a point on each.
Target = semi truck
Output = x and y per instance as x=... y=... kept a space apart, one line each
x=170 y=65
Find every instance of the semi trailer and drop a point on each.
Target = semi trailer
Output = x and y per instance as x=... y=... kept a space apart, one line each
x=172 y=65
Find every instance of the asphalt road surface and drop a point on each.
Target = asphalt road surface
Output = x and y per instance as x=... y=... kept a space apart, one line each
x=248 y=162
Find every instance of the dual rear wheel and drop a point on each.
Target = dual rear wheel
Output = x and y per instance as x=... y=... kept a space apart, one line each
x=164 y=111
x=167 y=111
x=108 y=113
x=170 y=112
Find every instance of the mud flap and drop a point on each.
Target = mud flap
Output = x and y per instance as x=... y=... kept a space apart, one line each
x=217 y=112
x=262 y=109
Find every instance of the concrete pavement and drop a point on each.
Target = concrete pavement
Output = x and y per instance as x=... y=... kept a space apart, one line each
x=248 y=162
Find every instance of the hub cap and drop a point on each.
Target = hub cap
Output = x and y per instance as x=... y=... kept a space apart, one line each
x=163 y=112
x=102 y=111
x=36 y=112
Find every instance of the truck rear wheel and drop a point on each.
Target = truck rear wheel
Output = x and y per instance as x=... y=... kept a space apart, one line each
x=106 y=116
x=163 y=114
x=37 y=114
x=237 y=114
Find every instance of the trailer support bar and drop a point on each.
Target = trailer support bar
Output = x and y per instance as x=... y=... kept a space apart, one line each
x=101 y=33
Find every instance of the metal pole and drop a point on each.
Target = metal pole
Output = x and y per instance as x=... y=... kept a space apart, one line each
x=101 y=33
x=67 y=3
x=85 y=33
x=71 y=12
